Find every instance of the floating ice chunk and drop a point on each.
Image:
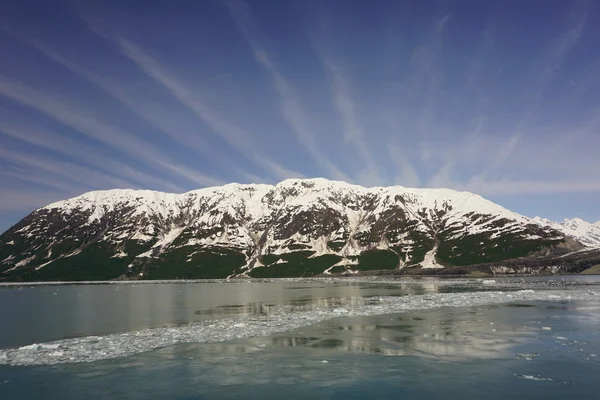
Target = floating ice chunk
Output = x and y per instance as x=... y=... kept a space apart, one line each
x=324 y=362
x=489 y=281
x=48 y=346
x=527 y=356
x=33 y=346
x=546 y=328
x=534 y=378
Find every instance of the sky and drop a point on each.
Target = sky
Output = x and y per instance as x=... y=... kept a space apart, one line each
x=500 y=98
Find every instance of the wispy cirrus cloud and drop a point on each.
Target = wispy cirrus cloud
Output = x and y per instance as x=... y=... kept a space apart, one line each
x=512 y=187
x=510 y=151
x=406 y=174
x=81 y=175
x=88 y=155
x=291 y=109
x=352 y=130
x=540 y=77
x=45 y=179
x=557 y=51
x=88 y=125
x=236 y=136
x=194 y=140
x=24 y=200
x=440 y=24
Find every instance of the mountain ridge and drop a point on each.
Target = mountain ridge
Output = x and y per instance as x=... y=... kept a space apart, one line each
x=299 y=227
x=585 y=232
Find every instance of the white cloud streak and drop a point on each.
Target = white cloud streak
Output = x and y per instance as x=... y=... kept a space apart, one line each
x=443 y=177
x=191 y=140
x=561 y=46
x=98 y=130
x=233 y=134
x=353 y=132
x=35 y=176
x=504 y=153
x=75 y=173
x=512 y=187
x=25 y=200
x=407 y=175
x=291 y=109
x=440 y=24
x=81 y=152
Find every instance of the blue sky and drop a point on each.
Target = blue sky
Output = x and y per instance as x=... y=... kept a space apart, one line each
x=501 y=98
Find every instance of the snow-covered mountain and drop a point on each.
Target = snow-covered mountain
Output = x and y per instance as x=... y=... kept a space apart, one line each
x=583 y=231
x=295 y=228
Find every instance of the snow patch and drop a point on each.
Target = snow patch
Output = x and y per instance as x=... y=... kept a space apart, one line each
x=148 y=254
x=429 y=260
x=24 y=262
x=8 y=259
x=73 y=253
x=142 y=237
x=43 y=265
x=168 y=237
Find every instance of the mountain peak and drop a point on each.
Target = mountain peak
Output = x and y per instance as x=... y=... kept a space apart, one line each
x=576 y=223
x=577 y=220
x=318 y=184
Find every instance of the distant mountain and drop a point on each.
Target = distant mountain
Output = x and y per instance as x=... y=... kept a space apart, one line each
x=583 y=231
x=295 y=228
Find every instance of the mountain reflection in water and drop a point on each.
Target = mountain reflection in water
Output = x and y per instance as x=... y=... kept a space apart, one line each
x=350 y=294
x=477 y=332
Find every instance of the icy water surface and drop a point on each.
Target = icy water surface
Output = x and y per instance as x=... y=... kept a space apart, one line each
x=523 y=338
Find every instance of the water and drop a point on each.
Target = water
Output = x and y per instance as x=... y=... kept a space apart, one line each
x=534 y=338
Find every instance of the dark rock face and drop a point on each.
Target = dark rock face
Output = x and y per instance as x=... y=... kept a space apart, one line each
x=296 y=228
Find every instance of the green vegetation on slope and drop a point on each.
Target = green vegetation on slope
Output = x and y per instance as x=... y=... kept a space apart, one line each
x=479 y=249
x=371 y=260
x=187 y=263
x=296 y=264
x=95 y=262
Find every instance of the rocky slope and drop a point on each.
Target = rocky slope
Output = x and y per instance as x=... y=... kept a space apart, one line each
x=296 y=228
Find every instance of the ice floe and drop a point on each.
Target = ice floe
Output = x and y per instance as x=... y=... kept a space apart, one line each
x=282 y=318
x=534 y=378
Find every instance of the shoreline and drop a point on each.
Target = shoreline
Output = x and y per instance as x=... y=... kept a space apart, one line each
x=370 y=277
